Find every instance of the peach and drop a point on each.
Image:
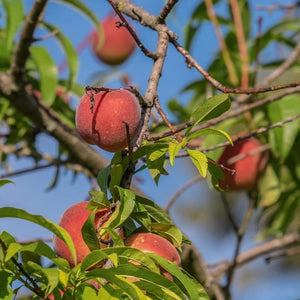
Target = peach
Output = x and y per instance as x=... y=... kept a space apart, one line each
x=117 y=44
x=104 y=125
x=72 y=221
x=153 y=243
x=247 y=169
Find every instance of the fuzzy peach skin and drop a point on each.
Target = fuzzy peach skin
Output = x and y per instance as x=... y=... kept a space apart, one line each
x=153 y=243
x=105 y=125
x=72 y=221
x=247 y=169
x=117 y=45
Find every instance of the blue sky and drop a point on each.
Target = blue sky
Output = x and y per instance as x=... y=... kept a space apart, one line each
x=29 y=192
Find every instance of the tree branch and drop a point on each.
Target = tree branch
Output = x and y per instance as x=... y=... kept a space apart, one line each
x=286 y=241
x=21 y=52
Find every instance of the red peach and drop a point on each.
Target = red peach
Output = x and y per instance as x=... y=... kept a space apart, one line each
x=153 y=243
x=72 y=221
x=105 y=126
x=117 y=44
x=247 y=169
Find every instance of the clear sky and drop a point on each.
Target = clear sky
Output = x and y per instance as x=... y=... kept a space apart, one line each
x=30 y=193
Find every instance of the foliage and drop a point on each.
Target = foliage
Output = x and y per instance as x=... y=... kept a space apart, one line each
x=205 y=121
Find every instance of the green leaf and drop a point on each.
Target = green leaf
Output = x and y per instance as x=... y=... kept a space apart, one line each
x=5 y=181
x=71 y=55
x=39 y=248
x=210 y=131
x=88 y=232
x=216 y=175
x=116 y=174
x=211 y=108
x=113 y=277
x=140 y=215
x=155 y=161
x=14 y=17
x=194 y=290
x=102 y=178
x=169 y=231
x=174 y=148
x=98 y=200
x=199 y=160
x=124 y=254
x=48 y=73
x=284 y=137
x=6 y=292
x=155 y=212
x=125 y=208
x=11 y=212
x=130 y=270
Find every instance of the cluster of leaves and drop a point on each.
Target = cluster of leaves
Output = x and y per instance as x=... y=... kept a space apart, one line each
x=19 y=262
x=278 y=191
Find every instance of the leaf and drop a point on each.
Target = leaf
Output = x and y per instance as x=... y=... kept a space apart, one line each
x=125 y=208
x=116 y=174
x=284 y=137
x=210 y=109
x=210 y=131
x=155 y=212
x=71 y=55
x=126 y=286
x=14 y=17
x=216 y=175
x=199 y=160
x=48 y=73
x=125 y=253
x=5 y=181
x=174 y=148
x=11 y=212
x=102 y=178
x=194 y=290
x=169 y=231
x=155 y=161
x=98 y=200
x=130 y=270
x=6 y=278
x=88 y=232
x=39 y=248
x=140 y=215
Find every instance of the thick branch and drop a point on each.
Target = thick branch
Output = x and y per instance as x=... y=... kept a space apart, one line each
x=26 y=37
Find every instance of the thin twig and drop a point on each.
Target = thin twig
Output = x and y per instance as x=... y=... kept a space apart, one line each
x=164 y=117
x=287 y=253
x=166 y=10
x=240 y=233
x=287 y=241
x=271 y=8
x=226 y=116
x=193 y=63
x=131 y=31
x=180 y=191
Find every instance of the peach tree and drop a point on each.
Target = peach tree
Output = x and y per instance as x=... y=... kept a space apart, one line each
x=248 y=106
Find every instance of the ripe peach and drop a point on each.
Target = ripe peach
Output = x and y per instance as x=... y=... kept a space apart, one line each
x=105 y=125
x=117 y=43
x=153 y=243
x=248 y=168
x=72 y=221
